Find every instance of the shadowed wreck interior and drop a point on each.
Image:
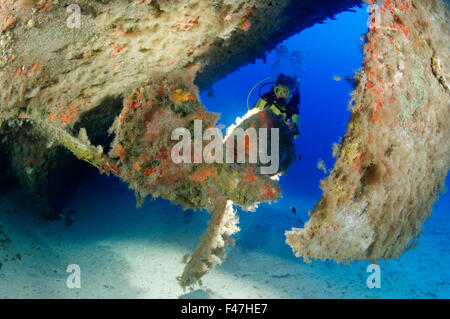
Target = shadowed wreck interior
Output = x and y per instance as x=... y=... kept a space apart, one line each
x=111 y=92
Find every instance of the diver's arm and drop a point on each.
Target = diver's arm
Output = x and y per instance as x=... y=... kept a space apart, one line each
x=296 y=120
x=293 y=106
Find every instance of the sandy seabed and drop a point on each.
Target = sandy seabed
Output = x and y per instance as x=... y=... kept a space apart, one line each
x=124 y=252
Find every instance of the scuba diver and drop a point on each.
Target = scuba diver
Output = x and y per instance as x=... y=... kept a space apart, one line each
x=277 y=109
x=277 y=100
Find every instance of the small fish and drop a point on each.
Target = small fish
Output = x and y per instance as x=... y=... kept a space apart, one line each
x=293 y=210
x=321 y=165
x=299 y=157
x=68 y=221
x=337 y=78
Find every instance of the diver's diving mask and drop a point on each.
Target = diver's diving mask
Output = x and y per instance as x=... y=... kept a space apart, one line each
x=282 y=92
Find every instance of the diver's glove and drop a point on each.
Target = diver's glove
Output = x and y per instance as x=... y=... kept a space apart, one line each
x=295 y=131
